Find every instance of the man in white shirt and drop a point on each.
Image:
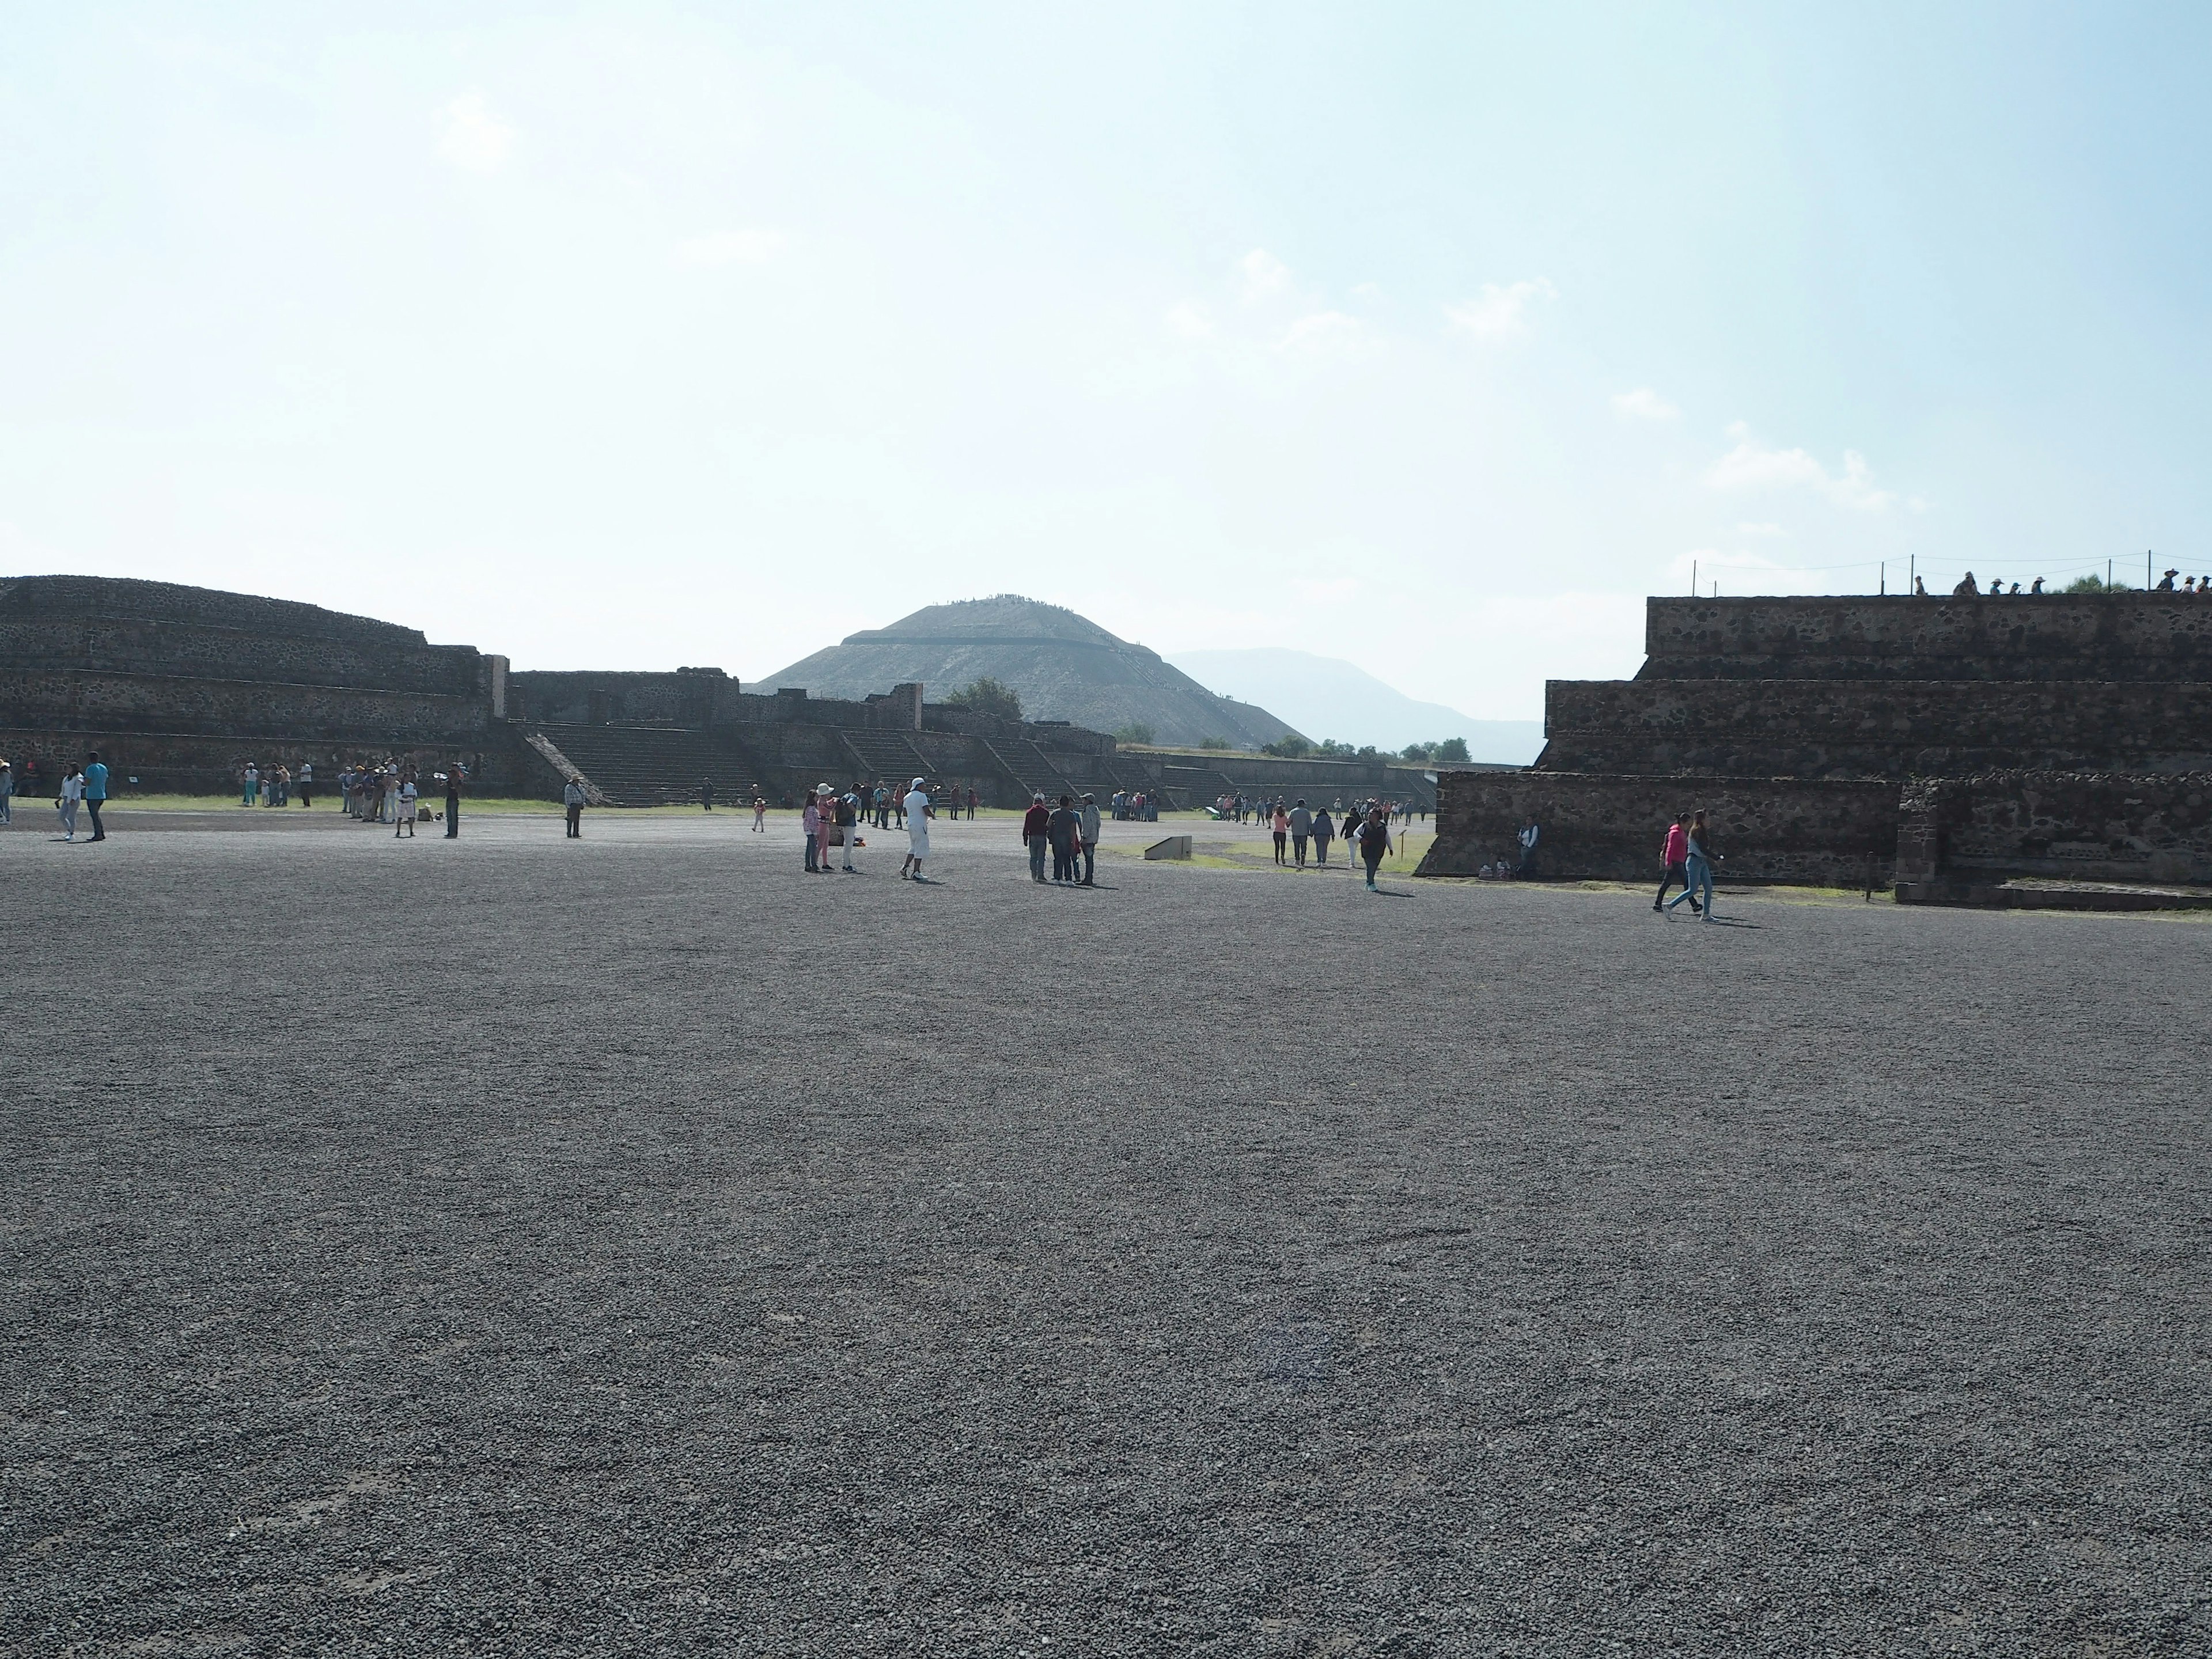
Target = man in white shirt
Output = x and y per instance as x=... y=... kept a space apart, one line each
x=916 y=806
x=1528 y=848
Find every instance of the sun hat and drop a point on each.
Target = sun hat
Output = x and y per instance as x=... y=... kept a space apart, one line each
x=916 y=784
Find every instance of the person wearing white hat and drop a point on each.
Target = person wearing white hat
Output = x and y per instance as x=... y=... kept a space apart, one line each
x=917 y=833
x=825 y=820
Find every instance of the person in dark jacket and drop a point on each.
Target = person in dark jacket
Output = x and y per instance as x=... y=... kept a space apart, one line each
x=1035 y=824
x=1324 y=832
x=1065 y=830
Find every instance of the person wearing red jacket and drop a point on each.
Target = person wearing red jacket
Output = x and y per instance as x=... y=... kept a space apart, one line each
x=1674 y=856
x=1036 y=831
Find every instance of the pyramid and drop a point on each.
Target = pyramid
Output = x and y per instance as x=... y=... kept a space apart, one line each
x=1065 y=667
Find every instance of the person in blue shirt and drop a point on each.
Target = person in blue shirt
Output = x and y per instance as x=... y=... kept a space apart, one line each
x=95 y=791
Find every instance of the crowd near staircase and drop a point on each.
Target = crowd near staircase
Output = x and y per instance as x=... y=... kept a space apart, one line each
x=651 y=765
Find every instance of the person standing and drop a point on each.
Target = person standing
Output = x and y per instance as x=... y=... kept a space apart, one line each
x=405 y=799
x=1035 y=825
x=1698 y=866
x=1301 y=829
x=65 y=803
x=973 y=801
x=1280 y=822
x=250 y=790
x=1527 y=866
x=572 y=798
x=760 y=812
x=1088 y=817
x=1374 y=841
x=307 y=785
x=1673 y=856
x=1324 y=832
x=706 y=794
x=7 y=794
x=825 y=820
x=95 y=791
x=914 y=810
x=848 y=824
x=453 y=779
x=1064 y=829
x=810 y=821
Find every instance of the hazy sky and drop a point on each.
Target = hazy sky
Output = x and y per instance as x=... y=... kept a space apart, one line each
x=1429 y=337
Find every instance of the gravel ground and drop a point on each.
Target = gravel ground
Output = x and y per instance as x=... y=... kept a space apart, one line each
x=522 y=1246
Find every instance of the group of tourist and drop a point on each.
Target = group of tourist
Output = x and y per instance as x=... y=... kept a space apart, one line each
x=274 y=787
x=83 y=785
x=1968 y=588
x=1134 y=805
x=1069 y=832
x=830 y=820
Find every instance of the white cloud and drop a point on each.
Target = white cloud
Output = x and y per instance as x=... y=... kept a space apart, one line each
x=475 y=139
x=1326 y=331
x=1760 y=530
x=1190 y=320
x=1752 y=465
x=1264 y=274
x=753 y=247
x=1498 y=310
x=1644 y=405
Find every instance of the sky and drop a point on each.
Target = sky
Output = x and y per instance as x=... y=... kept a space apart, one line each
x=1432 y=337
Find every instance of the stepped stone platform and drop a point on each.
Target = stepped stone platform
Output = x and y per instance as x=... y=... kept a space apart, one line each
x=2081 y=722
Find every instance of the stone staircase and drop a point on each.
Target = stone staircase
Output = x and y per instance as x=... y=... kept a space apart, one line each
x=651 y=765
x=887 y=755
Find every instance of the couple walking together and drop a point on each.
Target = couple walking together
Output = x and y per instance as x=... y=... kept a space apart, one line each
x=1689 y=857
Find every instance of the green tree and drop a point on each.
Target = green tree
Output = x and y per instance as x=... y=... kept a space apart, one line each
x=1289 y=746
x=1213 y=742
x=988 y=696
x=2096 y=585
x=1418 y=751
x=1452 y=751
x=1134 y=731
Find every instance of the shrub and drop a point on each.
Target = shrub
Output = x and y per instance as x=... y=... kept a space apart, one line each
x=1452 y=751
x=2096 y=585
x=1289 y=746
x=1134 y=731
x=1213 y=742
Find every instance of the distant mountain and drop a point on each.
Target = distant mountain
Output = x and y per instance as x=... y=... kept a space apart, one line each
x=1328 y=697
x=1064 y=666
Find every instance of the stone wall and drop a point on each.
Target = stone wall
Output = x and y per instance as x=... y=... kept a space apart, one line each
x=1611 y=829
x=73 y=598
x=2089 y=826
x=244 y=708
x=1876 y=728
x=185 y=763
x=2092 y=636
x=688 y=697
x=192 y=650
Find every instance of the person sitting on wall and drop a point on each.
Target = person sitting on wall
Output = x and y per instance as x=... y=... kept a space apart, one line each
x=1919 y=588
x=2165 y=583
x=2038 y=588
x=1968 y=588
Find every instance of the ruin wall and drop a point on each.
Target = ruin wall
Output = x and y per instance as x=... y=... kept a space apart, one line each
x=1611 y=829
x=2085 y=826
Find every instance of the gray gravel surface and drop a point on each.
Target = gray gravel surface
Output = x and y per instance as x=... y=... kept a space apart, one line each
x=520 y=1246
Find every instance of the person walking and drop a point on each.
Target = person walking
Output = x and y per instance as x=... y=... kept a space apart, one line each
x=1090 y=829
x=1302 y=823
x=1698 y=866
x=914 y=807
x=810 y=824
x=65 y=803
x=706 y=794
x=1528 y=866
x=96 y=793
x=1035 y=825
x=572 y=798
x=1324 y=832
x=1673 y=855
x=1374 y=837
x=1281 y=824
x=454 y=777
x=408 y=795
x=1063 y=828
x=7 y=794
x=848 y=824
